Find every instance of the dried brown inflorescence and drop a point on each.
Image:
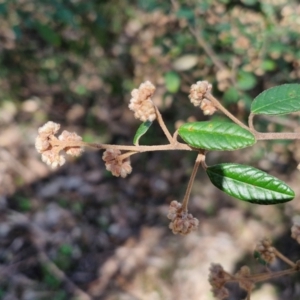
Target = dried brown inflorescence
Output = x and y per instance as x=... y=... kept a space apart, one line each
x=71 y=137
x=217 y=279
x=243 y=277
x=141 y=102
x=181 y=221
x=197 y=95
x=50 y=146
x=266 y=251
x=113 y=163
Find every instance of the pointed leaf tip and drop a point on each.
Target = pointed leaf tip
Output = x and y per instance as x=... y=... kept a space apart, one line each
x=278 y=100
x=141 y=131
x=249 y=184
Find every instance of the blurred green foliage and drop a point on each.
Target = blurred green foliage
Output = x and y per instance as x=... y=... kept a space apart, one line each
x=86 y=52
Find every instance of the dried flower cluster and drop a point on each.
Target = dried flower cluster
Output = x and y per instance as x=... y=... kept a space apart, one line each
x=141 y=102
x=50 y=146
x=181 y=221
x=113 y=163
x=296 y=229
x=197 y=97
x=243 y=277
x=266 y=251
x=217 y=279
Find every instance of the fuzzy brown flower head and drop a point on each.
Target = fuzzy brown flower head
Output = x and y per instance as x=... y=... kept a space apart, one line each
x=243 y=278
x=174 y=208
x=217 y=279
x=53 y=159
x=296 y=229
x=141 y=103
x=198 y=92
x=42 y=140
x=181 y=221
x=116 y=166
x=50 y=147
x=266 y=251
x=207 y=107
x=67 y=136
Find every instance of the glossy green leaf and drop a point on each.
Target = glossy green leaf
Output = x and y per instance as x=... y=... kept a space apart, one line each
x=249 y=184
x=215 y=135
x=141 y=131
x=282 y=99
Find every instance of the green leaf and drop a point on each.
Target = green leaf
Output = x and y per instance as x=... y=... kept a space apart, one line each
x=48 y=34
x=249 y=184
x=258 y=257
x=215 y=135
x=172 y=81
x=268 y=65
x=231 y=96
x=278 y=100
x=246 y=81
x=141 y=131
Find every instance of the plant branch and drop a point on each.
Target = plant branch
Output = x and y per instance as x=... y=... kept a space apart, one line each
x=218 y=105
x=284 y=258
x=175 y=146
x=207 y=49
x=266 y=276
x=250 y=122
x=199 y=159
x=163 y=125
x=276 y=135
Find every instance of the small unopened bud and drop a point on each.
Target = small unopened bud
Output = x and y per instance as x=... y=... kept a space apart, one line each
x=208 y=107
x=50 y=146
x=115 y=165
x=198 y=91
x=243 y=278
x=217 y=279
x=67 y=136
x=181 y=221
x=141 y=102
x=266 y=251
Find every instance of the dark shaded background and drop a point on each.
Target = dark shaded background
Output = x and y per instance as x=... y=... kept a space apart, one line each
x=78 y=232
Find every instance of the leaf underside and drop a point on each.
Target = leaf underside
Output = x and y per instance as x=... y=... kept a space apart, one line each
x=249 y=184
x=216 y=135
x=283 y=99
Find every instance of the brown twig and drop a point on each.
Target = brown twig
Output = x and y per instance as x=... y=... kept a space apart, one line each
x=208 y=50
x=199 y=159
x=218 y=105
x=163 y=125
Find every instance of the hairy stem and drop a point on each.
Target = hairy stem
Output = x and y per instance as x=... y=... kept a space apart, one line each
x=250 y=122
x=186 y=198
x=125 y=155
x=276 y=135
x=175 y=146
x=163 y=125
x=218 y=105
x=207 y=49
x=284 y=258
x=266 y=276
